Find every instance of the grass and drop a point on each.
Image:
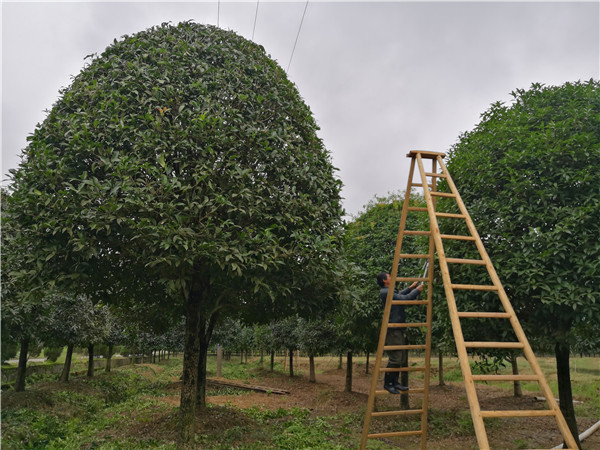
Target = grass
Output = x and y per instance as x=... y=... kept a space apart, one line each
x=127 y=409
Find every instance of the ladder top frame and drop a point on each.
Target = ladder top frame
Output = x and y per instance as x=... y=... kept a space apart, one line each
x=425 y=154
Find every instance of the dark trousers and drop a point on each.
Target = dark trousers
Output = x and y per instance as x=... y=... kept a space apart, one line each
x=396 y=358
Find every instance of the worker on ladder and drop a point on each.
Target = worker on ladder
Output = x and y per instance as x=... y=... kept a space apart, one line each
x=396 y=336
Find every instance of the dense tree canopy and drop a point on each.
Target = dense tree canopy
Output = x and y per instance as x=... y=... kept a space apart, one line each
x=529 y=174
x=181 y=164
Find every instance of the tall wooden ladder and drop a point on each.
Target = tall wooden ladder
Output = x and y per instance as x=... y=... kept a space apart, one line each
x=436 y=246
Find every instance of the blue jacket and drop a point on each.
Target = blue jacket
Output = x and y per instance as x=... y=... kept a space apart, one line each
x=397 y=314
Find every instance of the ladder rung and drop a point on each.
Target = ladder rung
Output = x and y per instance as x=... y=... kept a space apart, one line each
x=413 y=256
x=410 y=302
x=505 y=378
x=417 y=233
x=441 y=194
x=406 y=325
x=438 y=175
x=519 y=413
x=410 y=391
x=405 y=347
x=474 y=287
x=417 y=208
x=484 y=315
x=450 y=215
x=480 y=262
x=411 y=279
x=394 y=434
x=419 y=185
x=475 y=344
x=401 y=412
x=457 y=237
x=403 y=369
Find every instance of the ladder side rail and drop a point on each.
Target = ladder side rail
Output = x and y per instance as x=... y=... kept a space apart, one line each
x=386 y=312
x=506 y=304
x=428 y=338
x=456 y=327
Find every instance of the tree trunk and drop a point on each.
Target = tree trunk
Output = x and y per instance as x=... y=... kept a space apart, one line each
x=562 y=351
x=22 y=367
x=348 y=387
x=441 y=381
x=262 y=357
x=340 y=363
x=206 y=330
x=64 y=376
x=90 y=371
x=311 y=362
x=367 y=365
x=291 y=362
x=109 y=358
x=517 y=390
x=272 y=360
x=219 y=361
x=189 y=385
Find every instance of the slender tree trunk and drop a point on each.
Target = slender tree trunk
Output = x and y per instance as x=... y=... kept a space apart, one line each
x=109 y=358
x=291 y=362
x=272 y=360
x=341 y=360
x=219 y=361
x=517 y=390
x=262 y=357
x=348 y=387
x=367 y=365
x=64 y=376
x=191 y=353
x=22 y=367
x=311 y=362
x=441 y=381
x=90 y=371
x=562 y=351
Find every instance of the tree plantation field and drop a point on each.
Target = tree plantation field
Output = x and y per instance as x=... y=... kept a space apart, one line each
x=135 y=407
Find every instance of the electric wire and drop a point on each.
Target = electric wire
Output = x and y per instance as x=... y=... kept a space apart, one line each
x=218 y=11
x=297 y=35
x=255 y=17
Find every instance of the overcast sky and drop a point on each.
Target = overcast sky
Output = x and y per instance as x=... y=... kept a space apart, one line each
x=381 y=78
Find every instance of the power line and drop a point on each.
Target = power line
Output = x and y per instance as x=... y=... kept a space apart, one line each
x=299 y=28
x=218 y=11
x=255 y=16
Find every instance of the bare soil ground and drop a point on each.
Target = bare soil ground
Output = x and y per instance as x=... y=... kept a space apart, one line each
x=327 y=397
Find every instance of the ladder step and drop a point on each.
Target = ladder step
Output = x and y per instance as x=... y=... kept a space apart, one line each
x=441 y=194
x=410 y=391
x=479 y=262
x=475 y=344
x=412 y=256
x=403 y=369
x=438 y=175
x=394 y=434
x=410 y=302
x=401 y=412
x=450 y=215
x=417 y=208
x=474 y=287
x=411 y=279
x=484 y=315
x=519 y=413
x=407 y=325
x=420 y=185
x=417 y=233
x=457 y=237
x=405 y=347
x=505 y=378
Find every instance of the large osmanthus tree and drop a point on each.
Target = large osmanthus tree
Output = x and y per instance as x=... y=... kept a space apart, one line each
x=181 y=164
x=529 y=174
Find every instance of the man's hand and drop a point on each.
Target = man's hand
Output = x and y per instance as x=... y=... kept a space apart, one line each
x=421 y=287
x=414 y=285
